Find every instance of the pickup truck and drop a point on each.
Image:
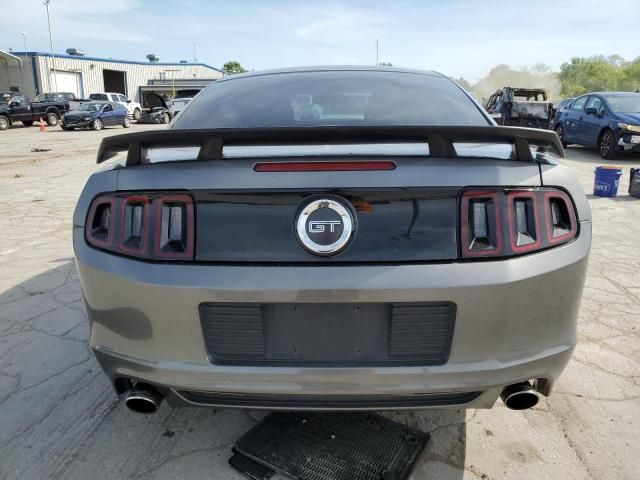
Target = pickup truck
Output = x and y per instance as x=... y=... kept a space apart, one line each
x=521 y=107
x=182 y=98
x=16 y=107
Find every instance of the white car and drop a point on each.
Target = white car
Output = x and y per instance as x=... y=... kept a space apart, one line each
x=134 y=108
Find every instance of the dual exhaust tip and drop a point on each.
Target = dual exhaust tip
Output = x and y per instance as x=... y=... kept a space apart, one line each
x=144 y=398
x=520 y=396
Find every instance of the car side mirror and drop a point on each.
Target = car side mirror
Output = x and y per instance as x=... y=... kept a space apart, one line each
x=128 y=101
x=591 y=111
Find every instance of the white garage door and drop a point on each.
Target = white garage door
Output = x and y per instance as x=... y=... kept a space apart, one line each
x=68 y=82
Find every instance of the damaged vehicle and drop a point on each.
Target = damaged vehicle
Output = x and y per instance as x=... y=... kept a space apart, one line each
x=158 y=110
x=521 y=107
x=361 y=238
x=608 y=121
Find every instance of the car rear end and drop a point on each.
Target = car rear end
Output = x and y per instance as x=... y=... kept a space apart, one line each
x=325 y=267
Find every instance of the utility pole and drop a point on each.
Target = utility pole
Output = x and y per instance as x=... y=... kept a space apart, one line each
x=195 y=60
x=173 y=80
x=53 y=58
x=24 y=43
x=377 y=42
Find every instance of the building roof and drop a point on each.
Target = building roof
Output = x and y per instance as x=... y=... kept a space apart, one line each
x=10 y=57
x=99 y=59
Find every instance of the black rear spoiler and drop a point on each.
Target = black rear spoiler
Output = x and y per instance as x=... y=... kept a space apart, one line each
x=440 y=140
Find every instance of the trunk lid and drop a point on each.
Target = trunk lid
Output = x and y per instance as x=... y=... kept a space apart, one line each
x=409 y=214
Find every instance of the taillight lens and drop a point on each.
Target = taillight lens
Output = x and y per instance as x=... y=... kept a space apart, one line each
x=149 y=225
x=508 y=222
x=481 y=228
x=561 y=217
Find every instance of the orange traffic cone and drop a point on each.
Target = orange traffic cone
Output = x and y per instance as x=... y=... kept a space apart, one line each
x=42 y=127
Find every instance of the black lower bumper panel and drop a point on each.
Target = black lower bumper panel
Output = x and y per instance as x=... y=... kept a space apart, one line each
x=328 y=402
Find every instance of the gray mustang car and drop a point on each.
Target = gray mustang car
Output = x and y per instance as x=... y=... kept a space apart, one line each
x=343 y=238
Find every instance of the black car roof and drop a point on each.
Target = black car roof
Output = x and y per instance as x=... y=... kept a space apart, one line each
x=620 y=94
x=332 y=68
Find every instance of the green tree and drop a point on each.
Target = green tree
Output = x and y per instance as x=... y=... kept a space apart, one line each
x=232 y=67
x=593 y=74
x=630 y=80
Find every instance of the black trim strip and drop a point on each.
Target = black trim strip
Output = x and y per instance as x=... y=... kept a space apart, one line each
x=329 y=402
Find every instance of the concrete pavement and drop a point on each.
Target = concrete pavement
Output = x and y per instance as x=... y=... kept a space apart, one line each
x=59 y=418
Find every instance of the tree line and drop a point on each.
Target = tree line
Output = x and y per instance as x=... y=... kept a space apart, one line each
x=577 y=76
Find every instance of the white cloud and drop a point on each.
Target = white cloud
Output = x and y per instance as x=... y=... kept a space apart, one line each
x=335 y=24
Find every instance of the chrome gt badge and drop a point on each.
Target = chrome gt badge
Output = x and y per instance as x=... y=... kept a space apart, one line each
x=325 y=226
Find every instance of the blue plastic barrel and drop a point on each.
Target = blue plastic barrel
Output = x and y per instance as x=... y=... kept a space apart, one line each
x=606 y=181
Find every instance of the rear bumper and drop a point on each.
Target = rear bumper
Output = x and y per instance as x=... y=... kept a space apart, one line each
x=516 y=320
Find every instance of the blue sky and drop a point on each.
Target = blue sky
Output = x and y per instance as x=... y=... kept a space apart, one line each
x=457 y=37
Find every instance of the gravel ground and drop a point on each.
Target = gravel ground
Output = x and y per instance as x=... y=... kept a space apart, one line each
x=60 y=419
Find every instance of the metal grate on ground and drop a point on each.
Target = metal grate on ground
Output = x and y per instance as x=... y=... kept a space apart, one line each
x=334 y=446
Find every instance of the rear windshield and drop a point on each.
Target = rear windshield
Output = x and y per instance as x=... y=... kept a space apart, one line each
x=50 y=97
x=186 y=93
x=331 y=98
x=90 y=107
x=624 y=103
x=98 y=96
x=529 y=96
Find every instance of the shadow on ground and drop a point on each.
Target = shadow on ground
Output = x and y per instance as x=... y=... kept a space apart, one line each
x=591 y=155
x=60 y=418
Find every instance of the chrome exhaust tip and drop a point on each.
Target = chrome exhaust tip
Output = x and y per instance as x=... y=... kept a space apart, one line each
x=143 y=398
x=520 y=396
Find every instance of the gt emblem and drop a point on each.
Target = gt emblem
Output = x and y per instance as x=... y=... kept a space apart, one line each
x=318 y=226
x=325 y=226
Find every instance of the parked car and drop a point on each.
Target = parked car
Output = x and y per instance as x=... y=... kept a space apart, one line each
x=562 y=104
x=608 y=121
x=133 y=108
x=182 y=99
x=158 y=111
x=16 y=107
x=396 y=250
x=96 y=116
x=523 y=107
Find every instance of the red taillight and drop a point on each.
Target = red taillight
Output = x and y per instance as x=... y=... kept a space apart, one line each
x=174 y=237
x=99 y=225
x=524 y=221
x=561 y=218
x=323 y=166
x=508 y=222
x=154 y=226
x=480 y=225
